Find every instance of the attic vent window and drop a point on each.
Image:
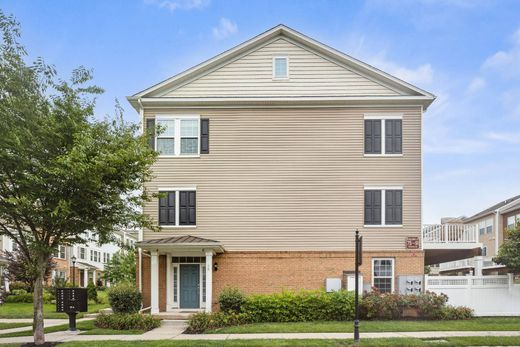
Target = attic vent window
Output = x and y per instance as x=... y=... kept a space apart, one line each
x=280 y=68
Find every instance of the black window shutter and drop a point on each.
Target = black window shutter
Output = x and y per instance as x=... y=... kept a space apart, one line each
x=372 y=207
x=187 y=208
x=393 y=136
x=167 y=208
x=372 y=136
x=204 y=136
x=150 y=129
x=394 y=207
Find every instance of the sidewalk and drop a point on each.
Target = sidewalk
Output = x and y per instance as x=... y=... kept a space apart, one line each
x=47 y=323
x=172 y=330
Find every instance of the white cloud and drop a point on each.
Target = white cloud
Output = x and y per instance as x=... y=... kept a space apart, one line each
x=174 y=5
x=224 y=29
x=422 y=74
x=506 y=62
x=475 y=85
x=507 y=137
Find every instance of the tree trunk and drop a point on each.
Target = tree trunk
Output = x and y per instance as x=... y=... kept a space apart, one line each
x=39 y=336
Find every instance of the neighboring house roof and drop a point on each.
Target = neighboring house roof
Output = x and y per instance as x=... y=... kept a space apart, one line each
x=161 y=93
x=492 y=209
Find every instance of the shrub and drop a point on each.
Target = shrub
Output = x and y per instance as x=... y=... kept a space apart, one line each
x=203 y=321
x=22 y=297
x=92 y=291
x=19 y=285
x=429 y=305
x=456 y=313
x=127 y=321
x=377 y=305
x=124 y=298
x=231 y=299
x=301 y=306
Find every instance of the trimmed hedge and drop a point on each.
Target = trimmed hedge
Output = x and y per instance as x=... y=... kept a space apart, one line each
x=124 y=298
x=231 y=300
x=428 y=305
x=21 y=296
x=301 y=306
x=127 y=321
x=200 y=322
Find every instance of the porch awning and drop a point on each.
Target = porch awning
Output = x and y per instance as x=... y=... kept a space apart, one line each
x=181 y=242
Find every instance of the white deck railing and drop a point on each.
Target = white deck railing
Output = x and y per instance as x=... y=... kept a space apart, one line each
x=457 y=264
x=450 y=233
x=435 y=282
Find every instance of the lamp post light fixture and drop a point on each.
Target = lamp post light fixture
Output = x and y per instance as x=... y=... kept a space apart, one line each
x=73 y=271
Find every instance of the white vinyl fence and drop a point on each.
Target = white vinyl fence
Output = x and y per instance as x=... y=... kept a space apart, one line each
x=486 y=295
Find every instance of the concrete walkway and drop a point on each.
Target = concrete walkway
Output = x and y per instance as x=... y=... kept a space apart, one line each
x=46 y=323
x=172 y=330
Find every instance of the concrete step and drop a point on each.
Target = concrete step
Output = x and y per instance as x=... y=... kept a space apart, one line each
x=174 y=315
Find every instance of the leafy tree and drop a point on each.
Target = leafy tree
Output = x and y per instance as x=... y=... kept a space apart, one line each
x=63 y=172
x=509 y=252
x=121 y=268
x=19 y=269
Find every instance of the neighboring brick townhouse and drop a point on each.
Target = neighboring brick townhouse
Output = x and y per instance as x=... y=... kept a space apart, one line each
x=271 y=155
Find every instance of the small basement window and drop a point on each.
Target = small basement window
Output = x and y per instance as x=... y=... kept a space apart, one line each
x=280 y=68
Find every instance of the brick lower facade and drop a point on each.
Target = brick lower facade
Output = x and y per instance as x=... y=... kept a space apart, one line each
x=270 y=272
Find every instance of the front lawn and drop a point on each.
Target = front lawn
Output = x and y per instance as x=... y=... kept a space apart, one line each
x=4 y=326
x=25 y=310
x=405 y=342
x=86 y=328
x=475 y=324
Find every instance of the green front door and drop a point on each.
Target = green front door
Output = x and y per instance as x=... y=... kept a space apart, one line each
x=190 y=286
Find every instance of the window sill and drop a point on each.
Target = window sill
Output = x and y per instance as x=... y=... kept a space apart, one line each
x=176 y=226
x=280 y=78
x=383 y=155
x=180 y=156
x=383 y=226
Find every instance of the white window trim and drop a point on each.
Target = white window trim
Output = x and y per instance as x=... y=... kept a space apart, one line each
x=383 y=206
x=286 y=78
x=58 y=253
x=393 y=271
x=177 y=136
x=177 y=199
x=383 y=117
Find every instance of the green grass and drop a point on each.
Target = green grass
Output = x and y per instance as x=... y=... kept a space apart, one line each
x=476 y=324
x=86 y=327
x=405 y=342
x=25 y=310
x=4 y=326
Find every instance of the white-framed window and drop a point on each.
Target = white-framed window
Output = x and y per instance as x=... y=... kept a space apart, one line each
x=176 y=284
x=383 y=206
x=512 y=220
x=485 y=226
x=178 y=207
x=383 y=134
x=178 y=136
x=484 y=251
x=59 y=274
x=82 y=253
x=383 y=274
x=59 y=252
x=280 y=68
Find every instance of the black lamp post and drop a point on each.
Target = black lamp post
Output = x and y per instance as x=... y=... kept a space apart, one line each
x=359 y=261
x=73 y=271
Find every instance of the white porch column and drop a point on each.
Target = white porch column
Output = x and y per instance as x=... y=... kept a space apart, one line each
x=209 y=280
x=154 y=282
x=169 y=281
x=94 y=276
x=85 y=278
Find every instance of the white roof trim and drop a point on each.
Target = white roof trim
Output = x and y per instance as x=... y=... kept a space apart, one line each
x=264 y=38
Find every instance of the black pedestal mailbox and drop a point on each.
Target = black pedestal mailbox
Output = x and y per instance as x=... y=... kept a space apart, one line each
x=71 y=301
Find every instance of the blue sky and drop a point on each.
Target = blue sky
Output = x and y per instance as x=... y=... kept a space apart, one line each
x=466 y=52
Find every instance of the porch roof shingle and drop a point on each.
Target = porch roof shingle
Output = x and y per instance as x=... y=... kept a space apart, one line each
x=178 y=240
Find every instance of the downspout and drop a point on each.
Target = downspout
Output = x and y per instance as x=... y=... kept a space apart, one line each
x=497 y=219
x=140 y=234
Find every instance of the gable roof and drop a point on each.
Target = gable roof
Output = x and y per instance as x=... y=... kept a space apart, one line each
x=492 y=209
x=407 y=91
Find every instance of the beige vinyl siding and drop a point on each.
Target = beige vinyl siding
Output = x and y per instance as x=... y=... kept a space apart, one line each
x=309 y=75
x=291 y=179
x=488 y=240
